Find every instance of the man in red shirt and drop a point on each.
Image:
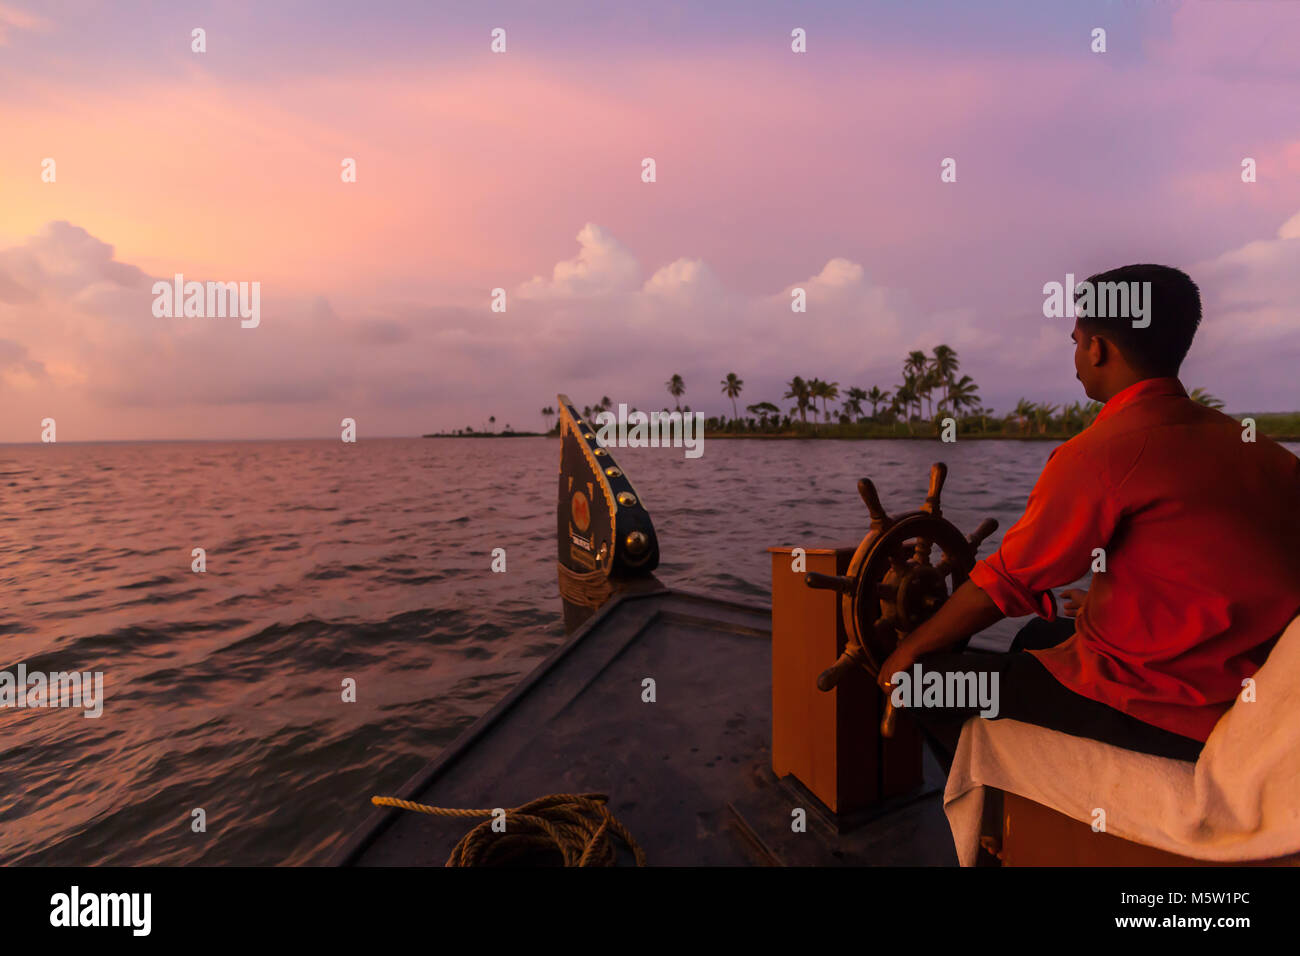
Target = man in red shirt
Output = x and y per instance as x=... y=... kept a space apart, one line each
x=1190 y=525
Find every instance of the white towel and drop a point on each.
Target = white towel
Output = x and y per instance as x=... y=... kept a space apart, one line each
x=1239 y=801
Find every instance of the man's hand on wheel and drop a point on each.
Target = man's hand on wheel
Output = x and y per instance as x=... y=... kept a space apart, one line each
x=968 y=611
x=901 y=659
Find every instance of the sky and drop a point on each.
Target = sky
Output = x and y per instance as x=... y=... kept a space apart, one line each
x=522 y=171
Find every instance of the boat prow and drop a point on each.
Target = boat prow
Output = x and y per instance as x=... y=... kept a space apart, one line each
x=660 y=699
x=606 y=541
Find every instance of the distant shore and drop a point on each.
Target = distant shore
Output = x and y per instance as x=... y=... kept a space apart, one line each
x=1279 y=426
x=490 y=434
x=785 y=436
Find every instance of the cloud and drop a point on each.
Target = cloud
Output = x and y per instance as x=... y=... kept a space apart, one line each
x=78 y=338
x=684 y=282
x=685 y=319
x=1290 y=229
x=1251 y=297
x=16 y=369
x=83 y=318
x=13 y=20
x=66 y=260
x=601 y=267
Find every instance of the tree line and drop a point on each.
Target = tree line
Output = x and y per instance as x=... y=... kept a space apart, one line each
x=929 y=391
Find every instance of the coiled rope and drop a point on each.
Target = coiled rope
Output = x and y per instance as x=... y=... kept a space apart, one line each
x=577 y=826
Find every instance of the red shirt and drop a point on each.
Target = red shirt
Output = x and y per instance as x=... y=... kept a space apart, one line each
x=1201 y=534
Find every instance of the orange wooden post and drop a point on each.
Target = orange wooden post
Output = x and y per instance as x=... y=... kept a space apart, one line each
x=830 y=742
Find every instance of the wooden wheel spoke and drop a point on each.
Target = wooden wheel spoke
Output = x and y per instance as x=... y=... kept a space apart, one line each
x=871 y=498
x=898 y=581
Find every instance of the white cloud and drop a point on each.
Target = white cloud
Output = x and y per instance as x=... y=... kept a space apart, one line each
x=76 y=328
x=683 y=282
x=1290 y=229
x=1251 y=294
x=601 y=267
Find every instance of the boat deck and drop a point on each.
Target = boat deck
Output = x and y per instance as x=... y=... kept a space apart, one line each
x=689 y=774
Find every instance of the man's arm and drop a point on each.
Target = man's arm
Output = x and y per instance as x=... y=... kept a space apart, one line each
x=1071 y=511
x=967 y=612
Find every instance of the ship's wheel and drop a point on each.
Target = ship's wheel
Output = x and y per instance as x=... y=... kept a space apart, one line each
x=894 y=583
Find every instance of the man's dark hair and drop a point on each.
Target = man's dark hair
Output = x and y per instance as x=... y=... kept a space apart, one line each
x=1174 y=311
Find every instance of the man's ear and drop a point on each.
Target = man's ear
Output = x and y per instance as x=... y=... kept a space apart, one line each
x=1099 y=351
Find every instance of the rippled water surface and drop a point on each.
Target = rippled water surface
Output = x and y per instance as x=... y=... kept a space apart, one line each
x=328 y=561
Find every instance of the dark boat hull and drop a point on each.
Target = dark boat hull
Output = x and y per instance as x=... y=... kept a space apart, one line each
x=688 y=774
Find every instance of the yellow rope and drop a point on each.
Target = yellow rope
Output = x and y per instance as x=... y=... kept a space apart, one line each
x=578 y=826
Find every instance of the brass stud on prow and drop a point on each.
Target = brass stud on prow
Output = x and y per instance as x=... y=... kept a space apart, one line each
x=636 y=542
x=613 y=472
x=626 y=499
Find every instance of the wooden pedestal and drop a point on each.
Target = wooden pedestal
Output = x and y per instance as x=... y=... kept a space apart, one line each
x=830 y=742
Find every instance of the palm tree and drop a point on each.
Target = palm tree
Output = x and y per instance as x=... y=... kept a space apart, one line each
x=913 y=371
x=676 y=388
x=1024 y=411
x=877 y=398
x=492 y=420
x=823 y=390
x=926 y=387
x=830 y=392
x=853 y=404
x=799 y=391
x=944 y=365
x=905 y=398
x=604 y=403
x=762 y=410
x=547 y=412
x=963 y=393
x=1043 y=414
x=1205 y=398
x=731 y=387
x=910 y=388
x=816 y=389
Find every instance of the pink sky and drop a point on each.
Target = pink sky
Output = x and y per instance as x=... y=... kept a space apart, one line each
x=522 y=171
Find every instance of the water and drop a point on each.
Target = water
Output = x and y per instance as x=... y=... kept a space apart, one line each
x=328 y=561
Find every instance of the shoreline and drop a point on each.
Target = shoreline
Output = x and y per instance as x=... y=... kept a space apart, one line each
x=793 y=436
x=492 y=435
